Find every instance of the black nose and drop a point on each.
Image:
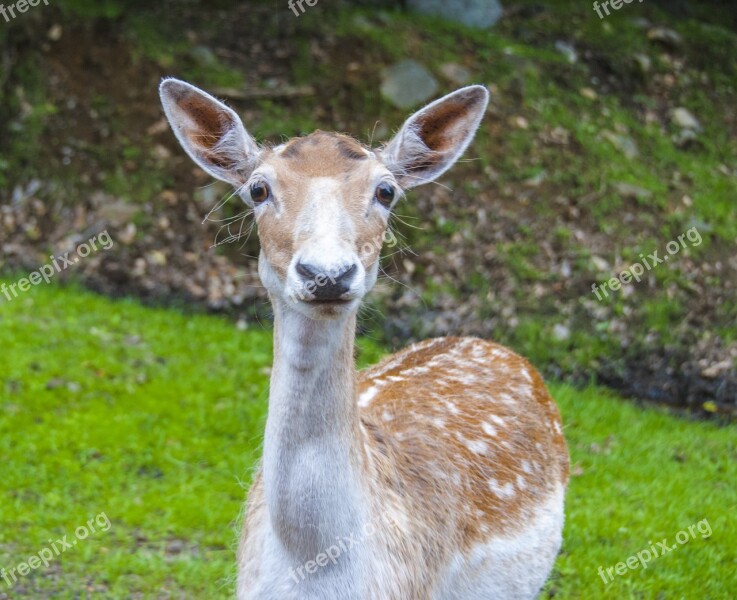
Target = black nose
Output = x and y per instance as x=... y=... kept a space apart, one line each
x=326 y=285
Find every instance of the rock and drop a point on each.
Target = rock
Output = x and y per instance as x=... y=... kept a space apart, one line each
x=567 y=50
x=565 y=268
x=55 y=383
x=537 y=180
x=558 y=136
x=633 y=192
x=519 y=122
x=203 y=56
x=161 y=126
x=561 y=332
x=641 y=23
x=456 y=73
x=118 y=212
x=589 y=93
x=600 y=265
x=160 y=152
x=128 y=235
x=689 y=127
x=175 y=547
x=473 y=13
x=685 y=138
x=55 y=33
x=624 y=144
x=169 y=197
x=715 y=370
x=666 y=37
x=157 y=258
x=408 y=84
x=643 y=62
x=682 y=118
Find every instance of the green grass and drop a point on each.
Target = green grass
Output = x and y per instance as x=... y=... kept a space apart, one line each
x=155 y=417
x=642 y=476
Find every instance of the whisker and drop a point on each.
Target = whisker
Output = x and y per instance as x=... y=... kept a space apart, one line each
x=413 y=290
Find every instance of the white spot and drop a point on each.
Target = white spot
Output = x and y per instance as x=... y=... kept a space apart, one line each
x=521 y=483
x=365 y=399
x=387 y=416
x=488 y=428
x=416 y=371
x=503 y=491
x=524 y=391
x=395 y=361
x=498 y=420
x=507 y=398
x=438 y=422
x=467 y=379
x=395 y=379
x=477 y=446
x=452 y=407
x=526 y=467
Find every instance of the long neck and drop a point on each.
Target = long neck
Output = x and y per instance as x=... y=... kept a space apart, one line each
x=312 y=451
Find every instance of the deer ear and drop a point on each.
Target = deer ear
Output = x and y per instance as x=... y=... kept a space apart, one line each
x=434 y=138
x=210 y=132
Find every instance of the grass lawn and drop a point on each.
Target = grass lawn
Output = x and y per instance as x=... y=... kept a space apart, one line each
x=155 y=418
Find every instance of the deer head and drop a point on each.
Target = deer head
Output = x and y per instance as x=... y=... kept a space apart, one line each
x=321 y=202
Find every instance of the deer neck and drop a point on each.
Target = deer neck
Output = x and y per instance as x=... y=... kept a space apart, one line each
x=312 y=454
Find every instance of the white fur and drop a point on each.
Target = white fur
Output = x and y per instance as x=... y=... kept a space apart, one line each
x=509 y=568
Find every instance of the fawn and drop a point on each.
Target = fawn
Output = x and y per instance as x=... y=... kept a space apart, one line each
x=439 y=473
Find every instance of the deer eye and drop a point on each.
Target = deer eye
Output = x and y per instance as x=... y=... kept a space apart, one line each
x=385 y=194
x=260 y=192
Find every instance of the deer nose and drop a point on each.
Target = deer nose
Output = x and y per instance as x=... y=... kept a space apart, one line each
x=326 y=284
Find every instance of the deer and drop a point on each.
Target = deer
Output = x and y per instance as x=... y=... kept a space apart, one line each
x=439 y=473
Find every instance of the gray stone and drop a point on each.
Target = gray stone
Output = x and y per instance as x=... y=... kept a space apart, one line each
x=632 y=192
x=408 y=84
x=683 y=118
x=666 y=37
x=473 y=13
x=567 y=50
x=626 y=145
x=203 y=56
x=561 y=332
x=643 y=62
x=456 y=73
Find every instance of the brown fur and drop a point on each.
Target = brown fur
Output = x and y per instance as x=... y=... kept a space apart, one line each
x=327 y=155
x=527 y=446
